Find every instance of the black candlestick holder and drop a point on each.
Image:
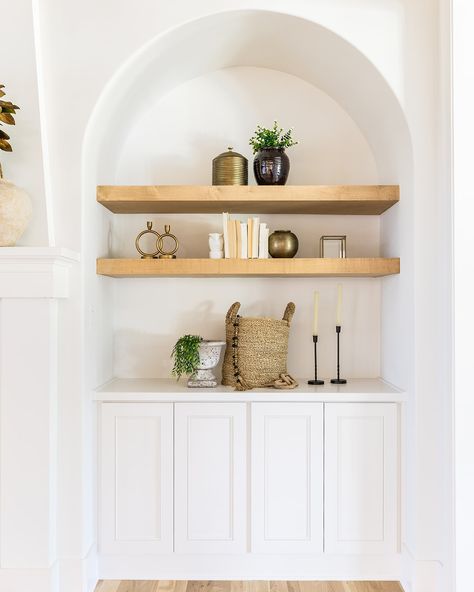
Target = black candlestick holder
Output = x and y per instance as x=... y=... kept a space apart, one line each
x=338 y=380
x=315 y=381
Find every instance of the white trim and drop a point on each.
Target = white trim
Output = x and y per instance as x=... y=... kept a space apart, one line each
x=421 y=575
x=78 y=574
x=42 y=107
x=20 y=580
x=35 y=272
x=251 y=567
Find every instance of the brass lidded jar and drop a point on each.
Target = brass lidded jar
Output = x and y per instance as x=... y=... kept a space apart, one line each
x=230 y=168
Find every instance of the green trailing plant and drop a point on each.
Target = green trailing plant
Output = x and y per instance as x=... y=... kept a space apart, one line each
x=186 y=355
x=7 y=111
x=274 y=137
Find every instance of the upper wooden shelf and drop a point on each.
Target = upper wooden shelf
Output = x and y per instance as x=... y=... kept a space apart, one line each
x=263 y=199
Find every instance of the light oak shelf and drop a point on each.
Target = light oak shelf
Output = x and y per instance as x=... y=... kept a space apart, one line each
x=362 y=267
x=275 y=199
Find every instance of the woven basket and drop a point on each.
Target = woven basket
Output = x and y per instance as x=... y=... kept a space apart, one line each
x=256 y=351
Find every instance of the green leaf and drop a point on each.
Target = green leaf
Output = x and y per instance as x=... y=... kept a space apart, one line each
x=271 y=138
x=186 y=355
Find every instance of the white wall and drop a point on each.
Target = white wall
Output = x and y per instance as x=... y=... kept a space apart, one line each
x=463 y=403
x=173 y=141
x=174 y=137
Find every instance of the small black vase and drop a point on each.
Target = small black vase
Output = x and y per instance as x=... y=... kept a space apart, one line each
x=271 y=166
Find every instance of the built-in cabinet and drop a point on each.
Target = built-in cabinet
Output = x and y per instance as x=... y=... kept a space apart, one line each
x=287 y=477
x=136 y=478
x=361 y=478
x=237 y=477
x=210 y=478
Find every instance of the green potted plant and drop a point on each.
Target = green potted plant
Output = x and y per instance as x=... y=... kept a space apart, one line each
x=196 y=357
x=15 y=204
x=271 y=164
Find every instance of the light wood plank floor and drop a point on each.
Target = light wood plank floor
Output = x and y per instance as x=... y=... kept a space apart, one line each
x=239 y=586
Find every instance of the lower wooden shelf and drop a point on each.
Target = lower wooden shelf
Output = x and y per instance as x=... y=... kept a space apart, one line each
x=357 y=267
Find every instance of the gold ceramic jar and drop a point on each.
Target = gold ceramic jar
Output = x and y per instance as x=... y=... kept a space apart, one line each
x=230 y=168
x=283 y=243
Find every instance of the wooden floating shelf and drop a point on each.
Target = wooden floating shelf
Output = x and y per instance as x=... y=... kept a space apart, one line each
x=258 y=199
x=366 y=267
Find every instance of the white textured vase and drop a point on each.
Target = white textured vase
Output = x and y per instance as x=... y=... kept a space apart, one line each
x=15 y=213
x=209 y=355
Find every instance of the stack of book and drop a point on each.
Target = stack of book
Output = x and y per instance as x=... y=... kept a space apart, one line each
x=244 y=240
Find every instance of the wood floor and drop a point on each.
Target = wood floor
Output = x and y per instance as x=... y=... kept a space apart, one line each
x=239 y=586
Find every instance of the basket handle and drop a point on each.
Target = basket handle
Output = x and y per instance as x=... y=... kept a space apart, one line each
x=232 y=312
x=289 y=312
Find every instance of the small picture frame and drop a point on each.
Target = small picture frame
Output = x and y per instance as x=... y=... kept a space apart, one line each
x=332 y=246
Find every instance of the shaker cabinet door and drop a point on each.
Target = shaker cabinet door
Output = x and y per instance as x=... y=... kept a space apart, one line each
x=210 y=478
x=287 y=477
x=361 y=481
x=136 y=478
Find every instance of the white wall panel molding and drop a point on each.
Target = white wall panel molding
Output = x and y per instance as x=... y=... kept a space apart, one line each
x=35 y=272
x=28 y=432
x=31 y=282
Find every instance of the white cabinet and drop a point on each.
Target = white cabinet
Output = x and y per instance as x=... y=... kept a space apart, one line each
x=210 y=478
x=280 y=478
x=136 y=484
x=287 y=477
x=361 y=478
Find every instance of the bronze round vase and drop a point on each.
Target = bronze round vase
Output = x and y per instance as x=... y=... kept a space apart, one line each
x=271 y=166
x=282 y=243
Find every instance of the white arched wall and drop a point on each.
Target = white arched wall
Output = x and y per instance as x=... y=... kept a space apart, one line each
x=271 y=41
x=251 y=38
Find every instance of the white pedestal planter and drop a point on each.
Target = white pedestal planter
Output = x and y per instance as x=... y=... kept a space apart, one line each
x=209 y=355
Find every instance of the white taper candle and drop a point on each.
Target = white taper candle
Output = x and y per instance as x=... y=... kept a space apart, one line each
x=339 y=306
x=315 y=313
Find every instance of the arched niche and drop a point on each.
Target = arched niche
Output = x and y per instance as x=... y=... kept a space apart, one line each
x=256 y=39
x=253 y=38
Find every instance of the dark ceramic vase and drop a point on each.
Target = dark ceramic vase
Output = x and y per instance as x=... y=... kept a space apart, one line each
x=271 y=166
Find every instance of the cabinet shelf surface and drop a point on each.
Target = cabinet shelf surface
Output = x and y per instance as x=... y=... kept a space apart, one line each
x=273 y=199
x=170 y=390
x=298 y=267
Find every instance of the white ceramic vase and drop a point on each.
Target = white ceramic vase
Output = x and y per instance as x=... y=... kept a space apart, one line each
x=15 y=213
x=209 y=355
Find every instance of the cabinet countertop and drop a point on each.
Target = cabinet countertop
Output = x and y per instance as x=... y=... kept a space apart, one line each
x=169 y=390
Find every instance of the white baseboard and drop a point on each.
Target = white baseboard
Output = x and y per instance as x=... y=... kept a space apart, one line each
x=74 y=574
x=78 y=574
x=421 y=575
x=21 y=580
x=250 y=567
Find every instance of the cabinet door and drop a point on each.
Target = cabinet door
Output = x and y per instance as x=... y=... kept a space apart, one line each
x=287 y=477
x=210 y=477
x=361 y=478
x=136 y=478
